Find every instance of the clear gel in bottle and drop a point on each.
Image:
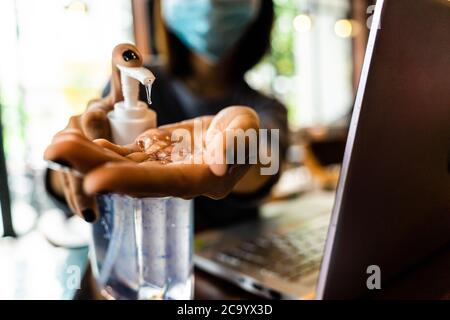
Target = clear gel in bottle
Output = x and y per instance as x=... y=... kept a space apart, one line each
x=142 y=247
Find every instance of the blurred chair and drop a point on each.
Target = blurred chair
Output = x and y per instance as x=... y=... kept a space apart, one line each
x=324 y=152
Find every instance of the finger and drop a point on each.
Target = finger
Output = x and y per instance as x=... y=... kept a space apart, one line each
x=68 y=132
x=95 y=124
x=80 y=153
x=138 y=157
x=248 y=118
x=68 y=194
x=228 y=181
x=154 y=140
x=149 y=179
x=216 y=153
x=152 y=179
x=122 y=150
x=74 y=123
x=167 y=132
x=85 y=205
x=228 y=121
x=71 y=131
x=104 y=104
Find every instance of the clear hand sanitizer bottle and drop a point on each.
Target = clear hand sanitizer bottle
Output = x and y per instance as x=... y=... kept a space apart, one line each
x=142 y=247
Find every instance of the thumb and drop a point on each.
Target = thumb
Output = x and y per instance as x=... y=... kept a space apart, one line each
x=229 y=125
x=94 y=122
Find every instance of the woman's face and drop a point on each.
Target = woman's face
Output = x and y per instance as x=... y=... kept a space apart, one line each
x=209 y=28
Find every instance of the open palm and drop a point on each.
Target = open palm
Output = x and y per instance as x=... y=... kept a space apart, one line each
x=145 y=169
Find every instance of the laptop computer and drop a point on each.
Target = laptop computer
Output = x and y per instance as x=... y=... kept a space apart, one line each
x=392 y=204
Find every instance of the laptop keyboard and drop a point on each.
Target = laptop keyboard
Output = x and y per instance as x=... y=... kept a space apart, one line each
x=289 y=255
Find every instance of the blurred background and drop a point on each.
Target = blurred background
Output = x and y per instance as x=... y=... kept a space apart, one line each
x=55 y=57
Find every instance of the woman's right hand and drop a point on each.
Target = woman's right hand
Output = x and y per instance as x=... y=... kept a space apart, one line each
x=92 y=124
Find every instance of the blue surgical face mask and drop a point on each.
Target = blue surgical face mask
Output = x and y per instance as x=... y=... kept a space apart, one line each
x=210 y=28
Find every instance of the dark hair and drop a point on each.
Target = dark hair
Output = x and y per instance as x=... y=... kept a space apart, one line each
x=251 y=48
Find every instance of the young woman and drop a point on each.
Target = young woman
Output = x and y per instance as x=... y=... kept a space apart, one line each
x=206 y=47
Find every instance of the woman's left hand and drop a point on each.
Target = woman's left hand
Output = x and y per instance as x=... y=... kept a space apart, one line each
x=144 y=168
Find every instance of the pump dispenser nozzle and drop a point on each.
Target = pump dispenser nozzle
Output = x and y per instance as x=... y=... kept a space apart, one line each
x=130 y=117
x=130 y=88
